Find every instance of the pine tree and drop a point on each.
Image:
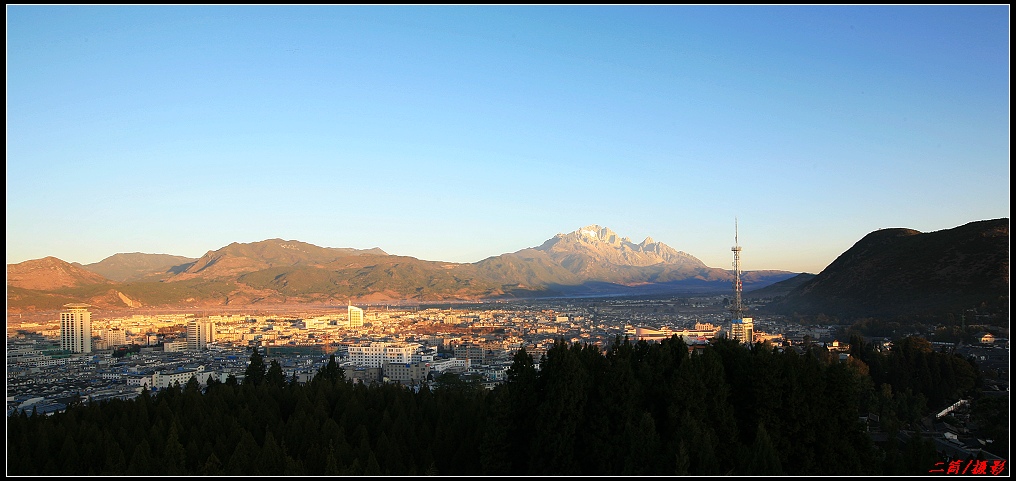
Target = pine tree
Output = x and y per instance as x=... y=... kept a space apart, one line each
x=254 y=375
x=212 y=466
x=765 y=461
x=244 y=458
x=275 y=376
x=174 y=456
x=142 y=463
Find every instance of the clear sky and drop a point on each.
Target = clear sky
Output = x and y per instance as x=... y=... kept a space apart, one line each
x=457 y=133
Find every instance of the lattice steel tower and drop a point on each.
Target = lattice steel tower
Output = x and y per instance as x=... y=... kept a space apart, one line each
x=736 y=310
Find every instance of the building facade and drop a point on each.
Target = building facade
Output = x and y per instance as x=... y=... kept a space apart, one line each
x=199 y=333
x=376 y=354
x=742 y=330
x=174 y=346
x=355 y=316
x=166 y=379
x=472 y=353
x=406 y=373
x=76 y=328
x=114 y=337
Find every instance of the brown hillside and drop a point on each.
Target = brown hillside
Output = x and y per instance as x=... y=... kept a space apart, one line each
x=50 y=273
x=237 y=259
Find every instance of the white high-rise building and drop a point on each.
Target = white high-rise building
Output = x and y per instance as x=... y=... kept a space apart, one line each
x=199 y=333
x=114 y=337
x=376 y=354
x=76 y=328
x=355 y=316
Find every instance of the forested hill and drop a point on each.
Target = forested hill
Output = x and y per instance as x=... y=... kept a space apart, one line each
x=637 y=409
x=903 y=272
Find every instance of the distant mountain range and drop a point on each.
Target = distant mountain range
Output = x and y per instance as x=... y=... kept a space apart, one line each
x=138 y=267
x=590 y=261
x=888 y=272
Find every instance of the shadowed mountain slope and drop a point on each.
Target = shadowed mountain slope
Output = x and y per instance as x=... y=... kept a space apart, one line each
x=779 y=289
x=902 y=271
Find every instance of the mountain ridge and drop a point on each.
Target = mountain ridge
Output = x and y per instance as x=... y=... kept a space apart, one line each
x=588 y=261
x=237 y=258
x=136 y=266
x=50 y=273
x=897 y=271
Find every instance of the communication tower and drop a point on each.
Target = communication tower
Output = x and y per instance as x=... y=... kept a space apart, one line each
x=741 y=328
x=737 y=312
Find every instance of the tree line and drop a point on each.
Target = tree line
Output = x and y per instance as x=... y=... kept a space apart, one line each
x=635 y=408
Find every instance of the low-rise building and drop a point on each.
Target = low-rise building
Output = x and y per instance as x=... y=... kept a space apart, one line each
x=452 y=364
x=406 y=373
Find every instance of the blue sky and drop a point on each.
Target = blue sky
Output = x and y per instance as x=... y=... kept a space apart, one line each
x=458 y=133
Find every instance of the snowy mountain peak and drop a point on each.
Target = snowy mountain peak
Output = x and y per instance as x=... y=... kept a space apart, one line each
x=599 y=245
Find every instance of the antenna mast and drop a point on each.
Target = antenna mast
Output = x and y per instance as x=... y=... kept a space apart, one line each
x=737 y=312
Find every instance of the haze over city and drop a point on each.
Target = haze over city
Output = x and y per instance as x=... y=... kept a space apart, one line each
x=458 y=133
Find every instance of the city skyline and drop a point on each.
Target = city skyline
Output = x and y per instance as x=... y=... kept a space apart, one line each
x=459 y=133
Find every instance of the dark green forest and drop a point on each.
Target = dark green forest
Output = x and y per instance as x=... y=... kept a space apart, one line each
x=636 y=408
